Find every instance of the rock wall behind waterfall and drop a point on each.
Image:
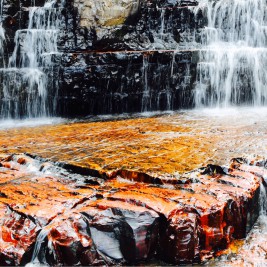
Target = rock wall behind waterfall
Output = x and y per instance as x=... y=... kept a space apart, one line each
x=117 y=56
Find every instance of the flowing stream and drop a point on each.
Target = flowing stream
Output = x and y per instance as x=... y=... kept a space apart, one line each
x=232 y=68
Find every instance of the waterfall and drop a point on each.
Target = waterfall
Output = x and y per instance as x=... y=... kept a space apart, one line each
x=2 y=42
x=26 y=80
x=39 y=241
x=162 y=26
x=232 y=68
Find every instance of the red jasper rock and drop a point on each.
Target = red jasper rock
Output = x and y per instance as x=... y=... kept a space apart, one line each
x=180 y=241
x=54 y=216
x=18 y=233
x=69 y=239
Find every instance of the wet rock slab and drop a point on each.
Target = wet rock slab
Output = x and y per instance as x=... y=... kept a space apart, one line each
x=54 y=216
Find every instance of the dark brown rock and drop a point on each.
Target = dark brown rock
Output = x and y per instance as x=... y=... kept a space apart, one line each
x=132 y=230
x=180 y=241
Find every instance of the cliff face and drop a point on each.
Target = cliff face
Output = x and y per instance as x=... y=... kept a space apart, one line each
x=139 y=25
x=114 y=56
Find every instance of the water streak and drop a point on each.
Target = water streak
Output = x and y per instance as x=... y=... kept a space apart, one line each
x=35 y=261
x=232 y=66
x=2 y=36
x=146 y=98
x=263 y=200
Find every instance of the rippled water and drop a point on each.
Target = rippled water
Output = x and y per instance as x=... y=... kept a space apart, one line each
x=171 y=143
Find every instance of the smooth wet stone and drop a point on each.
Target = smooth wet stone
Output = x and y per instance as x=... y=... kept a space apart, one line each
x=206 y=209
x=180 y=243
x=132 y=231
x=239 y=193
x=18 y=233
x=67 y=240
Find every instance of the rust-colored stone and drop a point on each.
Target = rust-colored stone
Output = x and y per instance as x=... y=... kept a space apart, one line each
x=18 y=233
x=69 y=238
x=53 y=216
x=180 y=241
x=150 y=145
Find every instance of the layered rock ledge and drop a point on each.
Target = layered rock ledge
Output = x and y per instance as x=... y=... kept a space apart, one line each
x=110 y=57
x=53 y=215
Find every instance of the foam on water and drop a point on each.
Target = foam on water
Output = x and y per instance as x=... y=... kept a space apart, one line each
x=12 y=123
x=244 y=114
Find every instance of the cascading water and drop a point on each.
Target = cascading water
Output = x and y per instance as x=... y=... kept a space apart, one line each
x=35 y=261
x=263 y=200
x=25 y=81
x=232 y=66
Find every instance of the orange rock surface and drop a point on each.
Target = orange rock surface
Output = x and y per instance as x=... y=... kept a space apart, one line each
x=53 y=216
x=168 y=144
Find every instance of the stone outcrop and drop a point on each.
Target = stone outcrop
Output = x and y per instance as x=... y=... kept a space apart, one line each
x=105 y=13
x=55 y=216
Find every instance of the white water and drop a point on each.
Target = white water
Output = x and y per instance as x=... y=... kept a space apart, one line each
x=232 y=66
x=11 y=124
x=162 y=35
x=263 y=200
x=39 y=241
x=25 y=80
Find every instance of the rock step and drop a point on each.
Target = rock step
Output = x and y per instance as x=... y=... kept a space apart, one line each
x=104 y=83
x=90 y=90
x=156 y=25
x=55 y=216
